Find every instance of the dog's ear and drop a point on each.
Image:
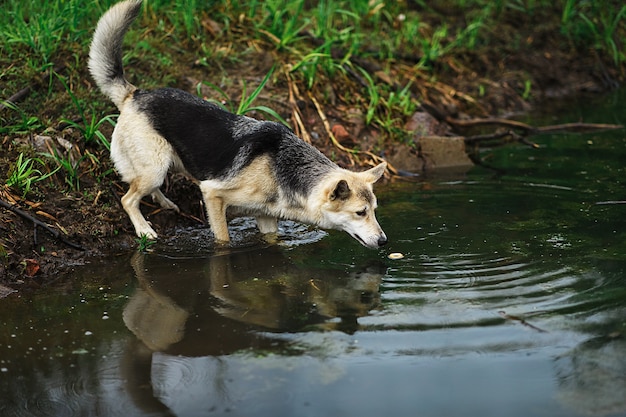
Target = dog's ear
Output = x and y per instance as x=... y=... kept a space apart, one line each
x=341 y=191
x=372 y=175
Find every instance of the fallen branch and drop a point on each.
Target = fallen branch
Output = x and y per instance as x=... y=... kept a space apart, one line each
x=352 y=152
x=41 y=224
x=24 y=92
x=296 y=114
x=521 y=320
x=578 y=127
x=529 y=129
x=472 y=140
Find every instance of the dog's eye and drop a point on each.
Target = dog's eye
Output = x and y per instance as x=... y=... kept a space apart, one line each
x=361 y=213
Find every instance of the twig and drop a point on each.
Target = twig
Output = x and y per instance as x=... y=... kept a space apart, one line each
x=24 y=92
x=471 y=140
x=610 y=202
x=521 y=320
x=565 y=127
x=41 y=224
x=333 y=139
x=491 y=121
x=295 y=110
x=578 y=127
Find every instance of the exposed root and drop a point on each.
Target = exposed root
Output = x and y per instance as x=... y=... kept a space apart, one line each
x=352 y=153
x=38 y=223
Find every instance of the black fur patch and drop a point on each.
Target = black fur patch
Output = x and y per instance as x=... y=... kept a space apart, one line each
x=341 y=191
x=203 y=134
x=366 y=195
x=213 y=143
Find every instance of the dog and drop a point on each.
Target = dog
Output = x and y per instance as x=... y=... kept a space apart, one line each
x=257 y=168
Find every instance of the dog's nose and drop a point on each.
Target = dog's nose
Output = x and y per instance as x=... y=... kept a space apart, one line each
x=382 y=240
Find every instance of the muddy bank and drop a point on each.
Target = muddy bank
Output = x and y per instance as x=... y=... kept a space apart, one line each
x=48 y=231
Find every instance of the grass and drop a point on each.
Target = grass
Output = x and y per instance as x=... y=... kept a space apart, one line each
x=23 y=175
x=246 y=101
x=145 y=244
x=315 y=48
x=597 y=23
x=87 y=124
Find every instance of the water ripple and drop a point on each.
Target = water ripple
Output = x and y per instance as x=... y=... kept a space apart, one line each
x=477 y=290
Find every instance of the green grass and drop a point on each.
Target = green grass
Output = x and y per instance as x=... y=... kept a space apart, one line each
x=598 y=23
x=319 y=46
x=246 y=102
x=23 y=175
x=145 y=244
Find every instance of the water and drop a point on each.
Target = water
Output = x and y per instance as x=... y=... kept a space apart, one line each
x=510 y=301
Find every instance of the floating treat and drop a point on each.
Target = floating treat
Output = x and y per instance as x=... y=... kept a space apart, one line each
x=395 y=255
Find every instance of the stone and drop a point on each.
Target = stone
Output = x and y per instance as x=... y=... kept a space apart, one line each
x=443 y=152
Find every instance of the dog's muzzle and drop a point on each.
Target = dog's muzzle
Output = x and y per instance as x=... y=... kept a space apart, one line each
x=382 y=241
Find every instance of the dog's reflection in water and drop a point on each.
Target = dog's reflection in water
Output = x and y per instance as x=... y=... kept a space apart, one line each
x=233 y=301
x=251 y=288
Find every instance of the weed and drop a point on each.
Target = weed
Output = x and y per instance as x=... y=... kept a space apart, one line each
x=89 y=126
x=25 y=124
x=598 y=23
x=144 y=243
x=70 y=164
x=386 y=109
x=4 y=254
x=24 y=174
x=245 y=103
x=373 y=94
x=39 y=28
x=308 y=65
x=281 y=21
x=527 y=89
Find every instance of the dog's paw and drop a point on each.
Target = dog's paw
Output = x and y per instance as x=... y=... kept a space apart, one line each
x=164 y=202
x=271 y=238
x=147 y=233
x=168 y=205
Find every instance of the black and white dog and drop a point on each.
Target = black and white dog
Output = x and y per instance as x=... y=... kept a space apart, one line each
x=259 y=168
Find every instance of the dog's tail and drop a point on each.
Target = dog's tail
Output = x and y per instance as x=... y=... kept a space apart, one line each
x=105 y=54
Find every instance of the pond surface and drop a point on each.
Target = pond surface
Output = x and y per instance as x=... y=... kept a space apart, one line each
x=510 y=301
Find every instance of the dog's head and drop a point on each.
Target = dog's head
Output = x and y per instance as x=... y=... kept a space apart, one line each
x=349 y=205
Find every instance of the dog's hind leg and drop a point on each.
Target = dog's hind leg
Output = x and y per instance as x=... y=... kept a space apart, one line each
x=130 y=202
x=166 y=203
x=269 y=227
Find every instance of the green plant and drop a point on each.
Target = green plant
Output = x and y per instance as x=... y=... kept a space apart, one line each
x=4 y=254
x=38 y=29
x=25 y=124
x=374 y=96
x=599 y=23
x=386 y=108
x=281 y=21
x=144 y=243
x=528 y=84
x=24 y=174
x=245 y=103
x=310 y=64
x=70 y=164
x=89 y=126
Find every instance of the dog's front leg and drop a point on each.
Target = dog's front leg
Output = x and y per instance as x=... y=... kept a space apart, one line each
x=216 y=212
x=267 y=224
x=269 y=227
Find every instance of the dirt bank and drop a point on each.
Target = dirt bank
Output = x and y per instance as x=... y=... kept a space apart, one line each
x=50 y=230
